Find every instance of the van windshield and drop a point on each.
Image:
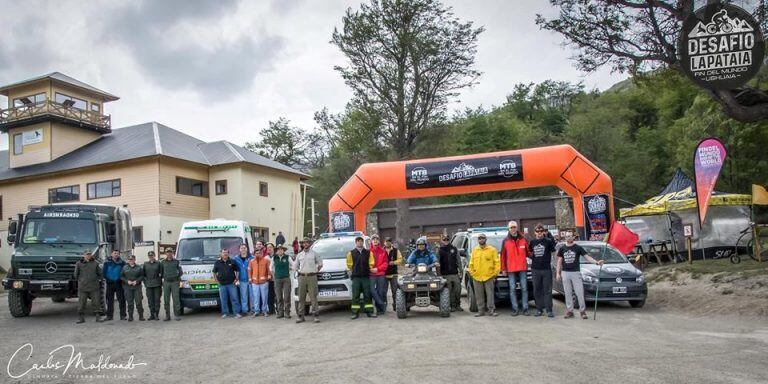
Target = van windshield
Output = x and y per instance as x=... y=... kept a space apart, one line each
x=59 y=231
x=336 y=247
x=206 y=249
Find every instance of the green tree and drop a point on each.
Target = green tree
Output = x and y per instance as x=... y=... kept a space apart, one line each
x=406 y=60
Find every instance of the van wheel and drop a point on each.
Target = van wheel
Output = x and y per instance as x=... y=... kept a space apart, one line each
x=58 y=299
x=471 y=297
x=445 y=302
x=19 y=303
x=400 y=305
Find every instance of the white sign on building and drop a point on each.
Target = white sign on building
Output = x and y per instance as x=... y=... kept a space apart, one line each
x=32 y=137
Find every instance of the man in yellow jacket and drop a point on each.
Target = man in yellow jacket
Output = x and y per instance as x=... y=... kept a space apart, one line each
x=484 y=265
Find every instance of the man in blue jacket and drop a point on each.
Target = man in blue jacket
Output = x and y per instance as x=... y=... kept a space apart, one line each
x=421 y=255
x=112 y=270
x=241 y=261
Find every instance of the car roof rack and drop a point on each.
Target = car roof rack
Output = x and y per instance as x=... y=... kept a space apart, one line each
x=340 y=234
x=487 y=229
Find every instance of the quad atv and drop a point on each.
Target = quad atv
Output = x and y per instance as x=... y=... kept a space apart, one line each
x=422 y=287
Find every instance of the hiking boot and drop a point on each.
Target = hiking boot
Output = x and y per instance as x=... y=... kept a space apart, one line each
x=514 y=313
x=177 y=318
x=538 y=313
x=167 y=318
x=317 y=319
x=459 y=309
x=224 y=316
x=288 y=316
x=280 y=316
x=373 y=315
x=300 y=319
x=355 y=316
x=238 y=316
x=108 y=318
x=480 y=314
x=130 y=317
x=99 y=319
x=123 y=318
x=266 y=314
x=584 y=315
x=526 y=312
x=80 y=319
x=141 y=317
x=493 y=314
x=550 y=314
x=568 y=315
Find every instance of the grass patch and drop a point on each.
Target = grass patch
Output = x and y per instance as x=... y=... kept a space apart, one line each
x=721 y=268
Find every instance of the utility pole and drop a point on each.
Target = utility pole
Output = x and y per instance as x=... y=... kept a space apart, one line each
x=313 y=217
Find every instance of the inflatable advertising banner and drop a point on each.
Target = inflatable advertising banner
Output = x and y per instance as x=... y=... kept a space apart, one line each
x=707 y=162
x=483 y=170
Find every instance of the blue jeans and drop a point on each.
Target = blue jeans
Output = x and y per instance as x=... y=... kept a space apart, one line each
x=379 y=293
x=229 y=303
x=260 y=294
x=245 y=295
x=521 y=277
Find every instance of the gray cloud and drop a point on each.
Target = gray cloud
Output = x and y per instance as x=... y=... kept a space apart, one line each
x=219 y=69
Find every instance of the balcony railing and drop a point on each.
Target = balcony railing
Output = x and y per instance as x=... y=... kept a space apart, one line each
x=52 y=108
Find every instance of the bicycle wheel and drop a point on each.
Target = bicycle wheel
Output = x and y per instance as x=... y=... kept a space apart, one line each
x=735 y=258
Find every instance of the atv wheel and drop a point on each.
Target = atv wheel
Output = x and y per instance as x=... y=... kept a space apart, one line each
x=20 y=303
x=445 y=302
x=58 y=299
x=400 y=306
x=471 y=297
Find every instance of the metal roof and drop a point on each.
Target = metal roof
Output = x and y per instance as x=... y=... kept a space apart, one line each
x=139 y=141
x=60 y=77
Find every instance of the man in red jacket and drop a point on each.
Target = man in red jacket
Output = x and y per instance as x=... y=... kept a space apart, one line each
x=514 y=251
x=378 y=275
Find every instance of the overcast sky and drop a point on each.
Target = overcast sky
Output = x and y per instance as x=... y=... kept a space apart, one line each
x=222 y=69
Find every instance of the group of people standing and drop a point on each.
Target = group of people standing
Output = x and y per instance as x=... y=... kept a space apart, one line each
x=124 y=281
x=373 y=272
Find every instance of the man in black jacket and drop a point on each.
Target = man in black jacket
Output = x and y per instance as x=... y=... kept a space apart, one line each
x=360 y=262
x=451 y=270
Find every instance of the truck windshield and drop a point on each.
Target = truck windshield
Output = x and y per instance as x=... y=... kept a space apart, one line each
x=207 y=249
x=59 y=231
x=336 y=247
x=493 y=239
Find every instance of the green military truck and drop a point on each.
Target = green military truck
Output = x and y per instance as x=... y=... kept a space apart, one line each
x=48 y=241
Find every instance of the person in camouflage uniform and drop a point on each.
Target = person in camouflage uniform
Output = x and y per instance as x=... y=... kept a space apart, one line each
x=89 y=276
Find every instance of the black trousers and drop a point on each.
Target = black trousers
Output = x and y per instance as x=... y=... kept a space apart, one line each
x=542 y=288
x=271 y=297
x=115 y=288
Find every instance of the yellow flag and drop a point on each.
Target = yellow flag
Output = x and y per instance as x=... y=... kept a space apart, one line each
x=759 y=195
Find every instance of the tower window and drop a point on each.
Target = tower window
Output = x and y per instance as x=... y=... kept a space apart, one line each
x=221 y=187
x=72 y=102
x=29 y=100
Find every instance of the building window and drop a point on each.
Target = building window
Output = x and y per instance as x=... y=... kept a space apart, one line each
x=263 y=189
x=221 y=187
x=96 y=107
x=69 y=101
x=191 y=187
x=29 y=100
x=64 y=194
x=138 y=234
x=102 y=189
x=18 y=144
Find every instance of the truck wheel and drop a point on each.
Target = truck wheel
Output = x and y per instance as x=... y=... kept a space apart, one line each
x=471 y=297
x=400 y=304
x=58 y=299
x=20 y=303
x=445 y=302
x=637 y=303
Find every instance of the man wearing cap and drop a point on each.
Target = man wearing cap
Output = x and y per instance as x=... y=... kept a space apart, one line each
x=133 y=276
x=153 y=282
x=378 y=274
x=308 y=264
x=451 y=270
x=281 y=273
x=484 y=265
x=395 y=258
x=569 y=271
x=360 y=263
x=170 y=270
x=541 y=249
x=88 y=276
x=514 y=263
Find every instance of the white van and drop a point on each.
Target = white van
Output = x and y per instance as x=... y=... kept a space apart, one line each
x=199 y=246
x=334 y=283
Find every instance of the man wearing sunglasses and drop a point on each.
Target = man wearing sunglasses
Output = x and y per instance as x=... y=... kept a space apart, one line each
x=541 y=249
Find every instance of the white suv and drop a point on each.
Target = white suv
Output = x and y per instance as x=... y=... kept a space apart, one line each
x=334 y=283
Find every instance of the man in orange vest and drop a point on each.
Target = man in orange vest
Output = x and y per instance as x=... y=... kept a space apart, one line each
x=514 y=263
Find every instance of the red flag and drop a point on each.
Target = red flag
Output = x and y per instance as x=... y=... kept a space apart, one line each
x=622 y=238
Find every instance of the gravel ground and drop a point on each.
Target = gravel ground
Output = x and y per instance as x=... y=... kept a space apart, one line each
x=647 y=345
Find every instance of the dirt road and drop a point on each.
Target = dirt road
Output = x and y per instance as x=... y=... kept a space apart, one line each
x=624 y=345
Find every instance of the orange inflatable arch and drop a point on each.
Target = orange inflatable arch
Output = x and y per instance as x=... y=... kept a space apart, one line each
x=561 y=166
